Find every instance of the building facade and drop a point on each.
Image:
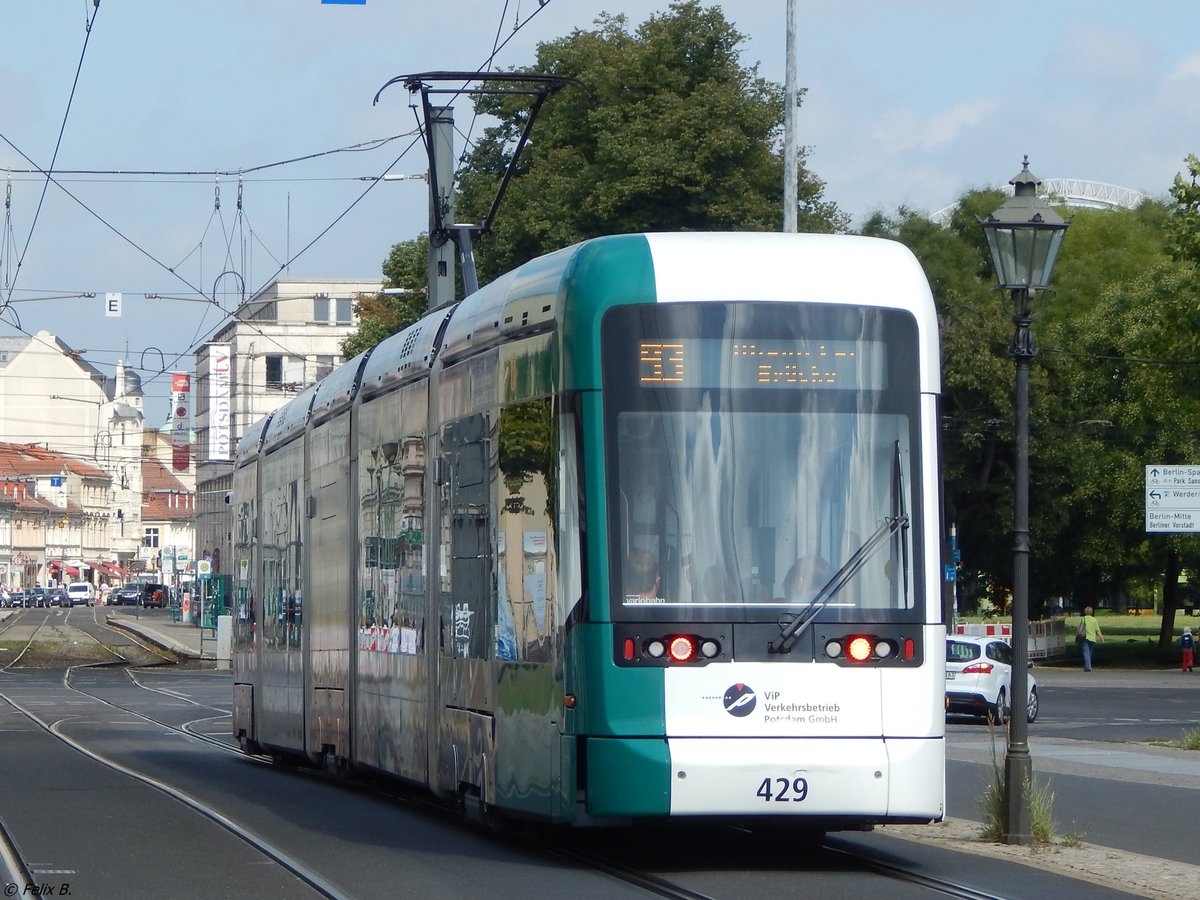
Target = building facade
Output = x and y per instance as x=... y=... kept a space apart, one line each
x=284 y=338
x=59 y=509
x=118 y=502
x=52 y=402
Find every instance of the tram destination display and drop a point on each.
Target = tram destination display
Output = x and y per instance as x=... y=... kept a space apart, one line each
x=740 y=363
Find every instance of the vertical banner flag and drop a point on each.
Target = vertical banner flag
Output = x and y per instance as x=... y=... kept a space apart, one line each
x=181 y=386
x=219 y=371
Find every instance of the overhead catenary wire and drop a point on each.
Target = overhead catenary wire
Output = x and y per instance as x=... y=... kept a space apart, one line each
x=361 y=147
x=57 y=145
x=51 y=175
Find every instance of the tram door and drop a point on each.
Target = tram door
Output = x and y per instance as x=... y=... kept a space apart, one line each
x=465 y=682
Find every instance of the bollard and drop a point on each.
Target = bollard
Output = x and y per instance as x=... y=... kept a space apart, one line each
x=224 y=641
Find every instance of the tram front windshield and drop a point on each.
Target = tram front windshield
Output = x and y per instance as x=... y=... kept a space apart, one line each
x=762 y=457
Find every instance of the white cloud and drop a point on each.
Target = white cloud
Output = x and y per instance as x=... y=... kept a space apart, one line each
x=908 y=130
x=1189 y=67
x=1090 y=54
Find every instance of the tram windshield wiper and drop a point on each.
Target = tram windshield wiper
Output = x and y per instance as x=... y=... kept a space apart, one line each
x=790 y=628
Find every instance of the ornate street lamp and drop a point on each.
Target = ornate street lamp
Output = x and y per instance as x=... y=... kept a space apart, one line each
x=1024 y=236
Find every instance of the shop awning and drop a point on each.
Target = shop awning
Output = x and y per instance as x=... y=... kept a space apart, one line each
x=72 y=571
x=54 y=563
x=110 y=569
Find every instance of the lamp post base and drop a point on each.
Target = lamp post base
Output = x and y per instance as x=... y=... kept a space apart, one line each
x=1018 y=780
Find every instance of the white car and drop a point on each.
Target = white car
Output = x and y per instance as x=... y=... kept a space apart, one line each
x=81 y=594
x=979 y=678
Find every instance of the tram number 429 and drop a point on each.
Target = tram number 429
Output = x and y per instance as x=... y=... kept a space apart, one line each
x=783 y=790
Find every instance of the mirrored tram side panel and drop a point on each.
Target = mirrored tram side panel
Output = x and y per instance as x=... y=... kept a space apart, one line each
x=390 y=712
x=326 y=604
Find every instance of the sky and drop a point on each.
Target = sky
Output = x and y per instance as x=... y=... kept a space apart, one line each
x=907 y=104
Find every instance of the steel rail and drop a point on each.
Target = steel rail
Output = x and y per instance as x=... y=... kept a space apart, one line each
x=908 y=876
x=259 y=843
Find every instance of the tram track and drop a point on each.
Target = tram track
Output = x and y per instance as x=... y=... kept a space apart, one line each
x=184 y=729
x=293 y=866
x=827 y=856
x=14 y=865
x=52 y=632
x=556 y=844
x=10 y=623
x=907 y=876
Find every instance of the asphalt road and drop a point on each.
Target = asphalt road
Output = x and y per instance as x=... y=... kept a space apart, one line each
x=109 y=834
x=1088 y=744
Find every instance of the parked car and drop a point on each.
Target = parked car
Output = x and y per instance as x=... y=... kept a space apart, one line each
x=139 y=593
x=126 y=595
x=58 y=597
x=155 y=595
x=979 y=678
x=37 y=597
x=81 y=594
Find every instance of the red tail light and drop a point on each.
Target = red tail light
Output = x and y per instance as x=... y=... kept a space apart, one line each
x=980 y=668
x=682 y=648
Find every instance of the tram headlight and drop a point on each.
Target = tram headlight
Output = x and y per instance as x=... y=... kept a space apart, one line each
x=866 y=648
x=675 y=649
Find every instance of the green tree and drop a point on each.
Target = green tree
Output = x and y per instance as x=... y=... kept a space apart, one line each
x=1185 y=217
x=669 y=132
x=1075 y=442
x=1074 y=449
x=382 y=315
x=1141 y=340
x=977 y=380
x=1104 y=247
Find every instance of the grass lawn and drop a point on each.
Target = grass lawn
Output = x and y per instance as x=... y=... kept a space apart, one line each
x=1130 y=642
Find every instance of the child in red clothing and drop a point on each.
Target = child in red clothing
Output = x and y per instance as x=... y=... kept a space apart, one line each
x=1188 y=648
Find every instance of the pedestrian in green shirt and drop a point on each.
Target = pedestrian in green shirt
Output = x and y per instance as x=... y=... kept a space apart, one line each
x=1089 y=627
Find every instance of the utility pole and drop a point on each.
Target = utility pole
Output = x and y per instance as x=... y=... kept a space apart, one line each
x=445 y=235
x=441 y=207
x=790 y=167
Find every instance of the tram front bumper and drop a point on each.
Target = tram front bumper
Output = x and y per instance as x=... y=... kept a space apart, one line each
x=868 y=778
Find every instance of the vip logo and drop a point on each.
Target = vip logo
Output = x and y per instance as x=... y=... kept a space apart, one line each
x=739 y=700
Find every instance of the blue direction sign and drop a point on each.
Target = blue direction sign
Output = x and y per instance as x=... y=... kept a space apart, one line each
x=1173 y=499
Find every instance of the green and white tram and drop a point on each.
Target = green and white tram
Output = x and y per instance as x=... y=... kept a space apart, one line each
x=646 y=528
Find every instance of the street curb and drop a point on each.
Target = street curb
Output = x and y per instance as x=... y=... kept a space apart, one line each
x=154 y=637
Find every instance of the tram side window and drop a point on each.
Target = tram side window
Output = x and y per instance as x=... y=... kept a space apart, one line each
x=526 y=541
x=282 y=603
x=293 y=589
x=245 y=552
x=468 y=602
x=393 y=585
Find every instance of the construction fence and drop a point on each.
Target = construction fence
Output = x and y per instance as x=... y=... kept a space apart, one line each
x=1047 y=637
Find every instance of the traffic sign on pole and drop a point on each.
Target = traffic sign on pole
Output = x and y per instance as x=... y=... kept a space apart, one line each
x=1173 y=499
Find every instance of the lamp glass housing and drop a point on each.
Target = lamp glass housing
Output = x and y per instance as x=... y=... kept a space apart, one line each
x=1024 y=253
x=1024 y=235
